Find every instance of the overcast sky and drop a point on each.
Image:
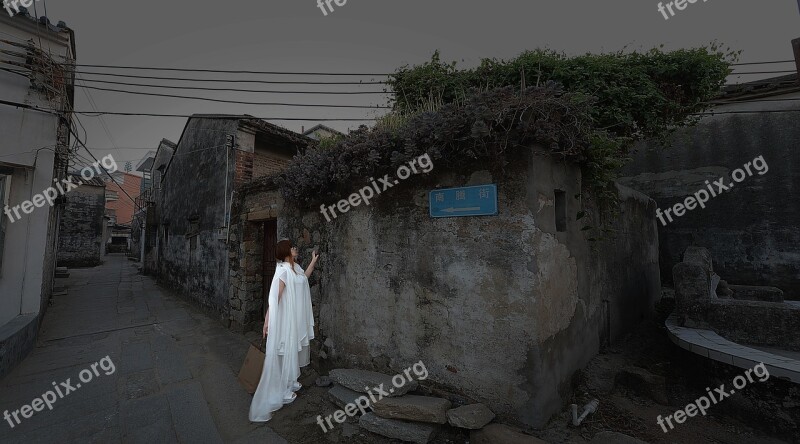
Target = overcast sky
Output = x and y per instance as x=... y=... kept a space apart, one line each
x=368 y=36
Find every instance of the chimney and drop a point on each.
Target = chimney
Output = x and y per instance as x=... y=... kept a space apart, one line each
x=796 y=47
x=303 y=127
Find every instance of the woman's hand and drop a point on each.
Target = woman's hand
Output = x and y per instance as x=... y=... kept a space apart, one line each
x=266 y=327
x=314 y=258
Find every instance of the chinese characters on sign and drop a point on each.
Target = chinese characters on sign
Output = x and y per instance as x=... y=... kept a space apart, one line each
x=478 y=200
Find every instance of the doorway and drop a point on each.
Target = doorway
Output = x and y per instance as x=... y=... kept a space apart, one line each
x=268 y=260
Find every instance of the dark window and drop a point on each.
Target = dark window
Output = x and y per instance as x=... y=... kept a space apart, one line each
x=561 y=211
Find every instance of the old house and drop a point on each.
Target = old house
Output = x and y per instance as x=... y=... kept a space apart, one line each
x=148 y=241
x=121 y=194
x=318 y=132
x=80 y=232
x=214 y=157
x=37 y=97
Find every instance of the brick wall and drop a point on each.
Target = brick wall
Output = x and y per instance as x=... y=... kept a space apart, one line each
x=244 y=167
x=265 y=164
x=81 y=228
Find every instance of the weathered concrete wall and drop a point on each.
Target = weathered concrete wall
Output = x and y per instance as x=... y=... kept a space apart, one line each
x=80 y=239
x=193 y=256
x=751 y=230
x=503 y=309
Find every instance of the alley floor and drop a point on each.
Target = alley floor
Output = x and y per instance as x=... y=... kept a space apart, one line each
x=174 y=368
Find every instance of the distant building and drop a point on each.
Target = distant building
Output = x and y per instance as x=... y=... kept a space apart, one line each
x=321 y=132
x=80 y=233
x=34 y=150
x=118 y=203
x=144 y=229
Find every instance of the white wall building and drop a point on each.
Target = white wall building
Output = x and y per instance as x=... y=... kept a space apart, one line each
x=36 y=96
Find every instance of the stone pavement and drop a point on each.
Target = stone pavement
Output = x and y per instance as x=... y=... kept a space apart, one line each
x=175 y=368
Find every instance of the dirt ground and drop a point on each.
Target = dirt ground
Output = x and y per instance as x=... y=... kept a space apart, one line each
x=620 y=410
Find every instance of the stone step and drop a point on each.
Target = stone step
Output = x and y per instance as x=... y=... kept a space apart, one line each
x=473 y=416
x=363 y=381
x=415 y=432
x=342 y=396
x=413 y=408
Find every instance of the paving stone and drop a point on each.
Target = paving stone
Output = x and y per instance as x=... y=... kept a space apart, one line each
x=415 y=408
x=342 y=396
x=608 y=437
x=501 y=434
x=364 y=380
x=415 y=432
x=193 y=422
x=138 y=385
x=136 y=356
x=473 y=416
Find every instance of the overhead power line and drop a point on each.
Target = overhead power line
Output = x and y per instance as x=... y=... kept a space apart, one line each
x=361 y=74
x=765 y=72
x=762 y=63
x=208 y=99
x=271 y=82
x=200 y=88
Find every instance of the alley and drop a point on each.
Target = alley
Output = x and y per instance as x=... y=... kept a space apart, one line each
x=175 y=368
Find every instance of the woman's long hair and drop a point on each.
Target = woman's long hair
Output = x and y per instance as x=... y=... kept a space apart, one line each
x=284 y=250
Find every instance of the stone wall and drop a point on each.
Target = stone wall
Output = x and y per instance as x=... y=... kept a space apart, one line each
x=80 y=238
x=192 y=249
x=503 y=309
x=751 y=230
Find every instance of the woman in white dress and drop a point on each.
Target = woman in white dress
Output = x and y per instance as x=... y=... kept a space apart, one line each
x=289 y=328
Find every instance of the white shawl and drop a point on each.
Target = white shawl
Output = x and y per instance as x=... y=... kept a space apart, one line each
x=281 y=361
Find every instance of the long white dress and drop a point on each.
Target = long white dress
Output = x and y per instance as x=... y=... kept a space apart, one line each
x=291 y=327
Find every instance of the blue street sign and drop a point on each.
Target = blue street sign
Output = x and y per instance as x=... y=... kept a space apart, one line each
x=479 y=200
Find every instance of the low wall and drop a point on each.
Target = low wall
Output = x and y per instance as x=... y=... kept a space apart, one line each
x=768 y=324
x=17 y=339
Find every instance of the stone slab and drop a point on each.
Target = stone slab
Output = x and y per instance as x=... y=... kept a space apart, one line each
x=363 y=381
x=414 y=408
x=415 y=432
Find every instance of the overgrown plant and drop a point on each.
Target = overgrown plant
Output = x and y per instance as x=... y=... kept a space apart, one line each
x=481 y=129
x=590 y=108
x=638 y=94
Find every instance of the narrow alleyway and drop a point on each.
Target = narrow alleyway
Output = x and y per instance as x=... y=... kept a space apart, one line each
x=174 y=376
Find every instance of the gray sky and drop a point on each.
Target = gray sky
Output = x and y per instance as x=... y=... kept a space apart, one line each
x=368 y=36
